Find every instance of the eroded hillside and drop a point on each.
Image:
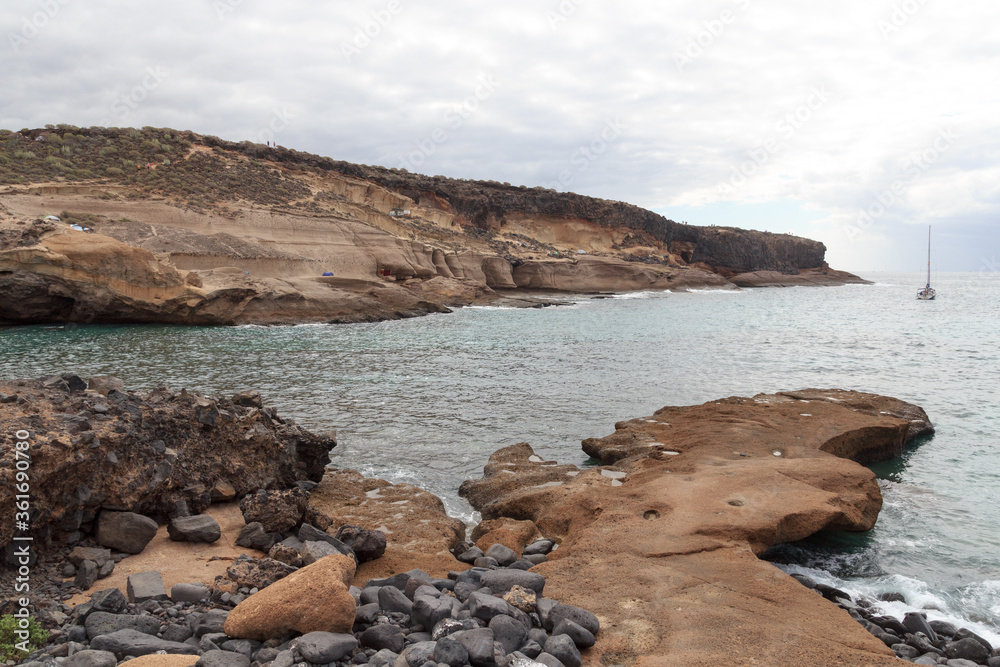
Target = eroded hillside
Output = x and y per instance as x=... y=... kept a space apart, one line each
x=252 y=230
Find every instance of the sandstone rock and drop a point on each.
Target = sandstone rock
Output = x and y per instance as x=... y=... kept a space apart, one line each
x=248 y=399
x=420 y=533
x=199 y=528
x=125 y=531
x=276 y=511
x=690 y=495
x=317 y=519
x=222 y=491
x=156 y=660
x=314 y=598
x=505 y=531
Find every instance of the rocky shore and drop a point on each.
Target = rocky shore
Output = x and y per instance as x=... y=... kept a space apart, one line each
x=245 y=550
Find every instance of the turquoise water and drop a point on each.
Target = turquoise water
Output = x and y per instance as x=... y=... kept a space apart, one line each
x=427 y=400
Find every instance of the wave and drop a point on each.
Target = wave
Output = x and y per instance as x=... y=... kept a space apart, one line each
x=974 y=606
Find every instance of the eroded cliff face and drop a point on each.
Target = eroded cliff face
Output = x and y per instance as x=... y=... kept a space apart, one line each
x=489 y=205
x=235 y=233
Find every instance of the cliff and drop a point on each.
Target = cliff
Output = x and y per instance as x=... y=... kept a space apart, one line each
x=156 y=225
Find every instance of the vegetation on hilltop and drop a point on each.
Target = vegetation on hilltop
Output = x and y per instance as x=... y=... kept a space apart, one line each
x=149 y=161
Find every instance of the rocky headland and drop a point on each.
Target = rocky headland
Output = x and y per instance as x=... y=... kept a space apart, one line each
x=178 y=529
x=156 y=225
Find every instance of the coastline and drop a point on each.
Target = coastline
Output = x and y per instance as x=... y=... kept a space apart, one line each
x=629 y=467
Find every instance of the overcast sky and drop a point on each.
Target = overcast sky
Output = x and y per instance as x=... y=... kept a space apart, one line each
x=857 y=123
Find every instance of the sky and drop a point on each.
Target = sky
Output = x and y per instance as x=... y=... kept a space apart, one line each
x=858 y=123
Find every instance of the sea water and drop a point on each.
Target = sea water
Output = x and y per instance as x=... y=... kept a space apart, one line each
x=427 y=400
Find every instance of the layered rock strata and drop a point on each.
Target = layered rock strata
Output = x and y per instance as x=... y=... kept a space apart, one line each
x=670 y=527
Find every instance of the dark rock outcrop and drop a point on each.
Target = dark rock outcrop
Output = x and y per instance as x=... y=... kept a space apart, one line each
x=142 y=452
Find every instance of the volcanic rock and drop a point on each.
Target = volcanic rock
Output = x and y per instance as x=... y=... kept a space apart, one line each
x=125 y=531
x=276 y=511
x=164 y=456
x=199 y=528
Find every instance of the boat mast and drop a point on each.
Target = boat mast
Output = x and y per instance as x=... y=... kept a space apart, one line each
x=928 y=255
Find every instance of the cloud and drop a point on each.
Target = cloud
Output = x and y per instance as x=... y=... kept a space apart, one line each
x=702 y=89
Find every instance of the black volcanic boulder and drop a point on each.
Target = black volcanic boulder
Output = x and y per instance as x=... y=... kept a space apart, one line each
x=125 y=531
x=200 y=528
x=366 y=544
x=276 y=511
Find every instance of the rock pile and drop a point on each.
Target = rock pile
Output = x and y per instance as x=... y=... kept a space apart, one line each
x=490 y=615
x=914 y=638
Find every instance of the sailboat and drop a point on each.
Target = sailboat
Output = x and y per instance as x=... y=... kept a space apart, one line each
x=927 y=293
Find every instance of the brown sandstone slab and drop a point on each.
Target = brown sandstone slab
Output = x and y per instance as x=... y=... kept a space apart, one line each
x=662 y=545
x=419 y=533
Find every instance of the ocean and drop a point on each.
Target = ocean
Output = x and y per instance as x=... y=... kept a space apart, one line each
x=427 y=400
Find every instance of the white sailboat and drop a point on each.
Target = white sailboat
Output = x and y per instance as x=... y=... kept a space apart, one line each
x=927 y=293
